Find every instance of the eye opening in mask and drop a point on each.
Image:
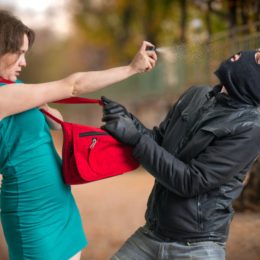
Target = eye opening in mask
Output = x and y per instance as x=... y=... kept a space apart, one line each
x=257 y=56
x=235 y=57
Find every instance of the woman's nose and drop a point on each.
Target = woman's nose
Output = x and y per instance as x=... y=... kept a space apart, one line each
x=23 y=61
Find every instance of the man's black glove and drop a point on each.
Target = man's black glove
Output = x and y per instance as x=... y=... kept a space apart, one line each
x=123 y=129
x=112 y=109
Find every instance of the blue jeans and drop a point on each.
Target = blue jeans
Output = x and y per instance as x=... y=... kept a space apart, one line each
x=144 y=245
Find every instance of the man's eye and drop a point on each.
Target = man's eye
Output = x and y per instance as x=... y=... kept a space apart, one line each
x=235 y=57
x=257 y=57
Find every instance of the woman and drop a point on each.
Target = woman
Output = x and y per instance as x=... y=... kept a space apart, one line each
x=38 y=213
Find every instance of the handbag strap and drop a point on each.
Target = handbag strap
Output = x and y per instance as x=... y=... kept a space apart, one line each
x=56 y=119
x=79 y=100
x=72 y=100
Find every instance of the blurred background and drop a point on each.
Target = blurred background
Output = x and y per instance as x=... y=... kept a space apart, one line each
x=193 y=38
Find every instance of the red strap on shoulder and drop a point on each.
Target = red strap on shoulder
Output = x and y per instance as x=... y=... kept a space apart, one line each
x=2 y=80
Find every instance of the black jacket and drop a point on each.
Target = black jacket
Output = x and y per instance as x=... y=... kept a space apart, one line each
x=199 y=156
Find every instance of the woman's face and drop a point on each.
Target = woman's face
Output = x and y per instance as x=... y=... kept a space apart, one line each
x=11 y=64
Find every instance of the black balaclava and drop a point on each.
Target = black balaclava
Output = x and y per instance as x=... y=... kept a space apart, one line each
x=241 y=78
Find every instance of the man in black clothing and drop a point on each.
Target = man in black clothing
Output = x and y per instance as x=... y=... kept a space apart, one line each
x=199 y=156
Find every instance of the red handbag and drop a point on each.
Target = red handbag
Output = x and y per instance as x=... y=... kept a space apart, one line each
x=90 y=153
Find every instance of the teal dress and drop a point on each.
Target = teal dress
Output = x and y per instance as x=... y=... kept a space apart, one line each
x=38 y=213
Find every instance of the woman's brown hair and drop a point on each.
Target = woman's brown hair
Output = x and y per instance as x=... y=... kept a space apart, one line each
x=12 y=31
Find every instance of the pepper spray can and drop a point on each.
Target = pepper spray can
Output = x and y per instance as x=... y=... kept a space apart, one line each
x=150 y=48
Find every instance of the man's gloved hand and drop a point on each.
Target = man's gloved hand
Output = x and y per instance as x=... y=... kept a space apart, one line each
x=123 y=129
x=112 y=109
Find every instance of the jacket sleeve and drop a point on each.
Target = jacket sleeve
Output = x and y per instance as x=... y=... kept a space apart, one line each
x=141 y=128
x=217 y=164
x=156 y=133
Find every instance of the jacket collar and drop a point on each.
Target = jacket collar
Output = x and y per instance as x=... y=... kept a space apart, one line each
x=225 y=99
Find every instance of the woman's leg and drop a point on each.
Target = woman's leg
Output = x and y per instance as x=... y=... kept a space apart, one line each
x=76 y=257
x=3 y=246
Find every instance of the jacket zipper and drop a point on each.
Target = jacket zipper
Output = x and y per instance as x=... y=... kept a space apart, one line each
x=199 y=213
x=93 y=134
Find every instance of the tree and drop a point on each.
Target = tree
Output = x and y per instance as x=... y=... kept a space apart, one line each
x=121 y=25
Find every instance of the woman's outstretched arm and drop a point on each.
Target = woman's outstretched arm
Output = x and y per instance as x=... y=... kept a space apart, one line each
x=17 y=98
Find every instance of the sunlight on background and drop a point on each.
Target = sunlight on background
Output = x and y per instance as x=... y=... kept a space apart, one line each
x=37 y=6
x=41 y=14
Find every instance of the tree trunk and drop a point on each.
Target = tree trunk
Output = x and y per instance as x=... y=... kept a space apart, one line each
x=183 y=5
x=232 y=14
x=244 y=10
x=257 y=14
x=208 y=19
